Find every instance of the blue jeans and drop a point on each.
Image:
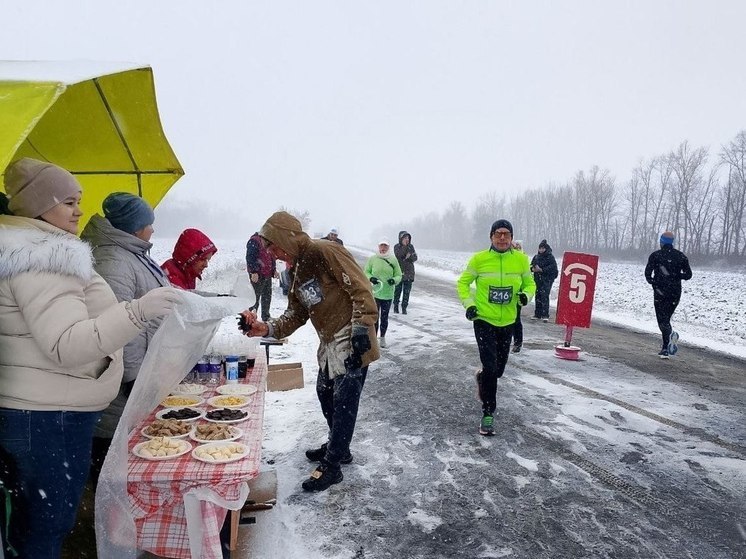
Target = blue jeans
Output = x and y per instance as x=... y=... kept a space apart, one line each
x=50 y=453
x=339 y=399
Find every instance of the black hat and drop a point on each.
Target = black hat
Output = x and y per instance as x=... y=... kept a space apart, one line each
x=543 y=244
x=501 y=223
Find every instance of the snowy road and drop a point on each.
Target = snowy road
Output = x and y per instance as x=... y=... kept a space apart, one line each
x=621 y=456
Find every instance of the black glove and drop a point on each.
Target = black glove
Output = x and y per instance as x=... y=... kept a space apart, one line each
x=360 y=342
x=374 y=281
x=471 y=312
x=391 y=281
x=522 y=299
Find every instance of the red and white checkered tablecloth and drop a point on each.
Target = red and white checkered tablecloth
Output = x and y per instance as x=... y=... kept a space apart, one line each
x=157 y=488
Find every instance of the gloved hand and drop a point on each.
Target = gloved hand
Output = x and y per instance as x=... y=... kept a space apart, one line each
x=391 y=281
x=155 y=303
x=471 y=313
x=374 y=281
x=360 y=342
x=522 y=299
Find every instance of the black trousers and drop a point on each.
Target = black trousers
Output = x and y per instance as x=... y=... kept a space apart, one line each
x=494 y=347
x=542 y=299
x=664 y=309
x=383 y=316
x=263 y=291
x=340 y=398
x=401 y=293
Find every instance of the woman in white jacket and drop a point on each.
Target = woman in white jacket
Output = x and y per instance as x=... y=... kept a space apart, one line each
x=61 y=338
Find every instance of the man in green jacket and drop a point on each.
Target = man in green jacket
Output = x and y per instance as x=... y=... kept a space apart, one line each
x=503 y=281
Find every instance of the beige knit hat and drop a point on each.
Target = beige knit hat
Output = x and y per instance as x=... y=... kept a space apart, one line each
x=35 y=187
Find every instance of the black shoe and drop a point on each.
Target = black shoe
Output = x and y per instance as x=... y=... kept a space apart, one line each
x=323 y=477
x=318 y=454
x=403 y=310
x=516 y=348
x=396 y=309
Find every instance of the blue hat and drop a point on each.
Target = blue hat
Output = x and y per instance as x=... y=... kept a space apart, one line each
x=127 y=212
x=667 y=238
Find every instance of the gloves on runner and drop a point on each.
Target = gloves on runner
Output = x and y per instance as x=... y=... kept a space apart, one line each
x=391 y=281
x=522 y=299
x=374 y=281
x=360 y=342
x=155 y=303
x=471 y=313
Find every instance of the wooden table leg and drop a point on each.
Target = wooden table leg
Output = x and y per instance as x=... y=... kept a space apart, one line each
x=235 y=517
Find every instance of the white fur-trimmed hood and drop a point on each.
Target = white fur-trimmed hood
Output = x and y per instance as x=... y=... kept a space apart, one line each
x=39 y=247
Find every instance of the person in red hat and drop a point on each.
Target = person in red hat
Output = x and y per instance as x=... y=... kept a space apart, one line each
x=191 y=257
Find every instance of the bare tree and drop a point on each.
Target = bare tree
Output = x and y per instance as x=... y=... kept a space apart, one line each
x=734 y=156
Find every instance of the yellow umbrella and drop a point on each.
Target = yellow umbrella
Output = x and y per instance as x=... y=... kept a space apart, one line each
x=97 y=120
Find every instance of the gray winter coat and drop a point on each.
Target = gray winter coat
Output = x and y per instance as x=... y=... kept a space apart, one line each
x=123 y=261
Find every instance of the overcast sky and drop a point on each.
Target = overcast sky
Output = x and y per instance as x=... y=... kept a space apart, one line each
x=365 y=113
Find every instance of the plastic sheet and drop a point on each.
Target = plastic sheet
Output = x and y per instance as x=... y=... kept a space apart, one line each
x=177 y=345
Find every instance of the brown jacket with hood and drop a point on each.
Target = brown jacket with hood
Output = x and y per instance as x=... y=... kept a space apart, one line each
x=328 y=287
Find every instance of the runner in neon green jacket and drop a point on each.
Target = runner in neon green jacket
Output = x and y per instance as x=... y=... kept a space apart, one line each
x=503 y=281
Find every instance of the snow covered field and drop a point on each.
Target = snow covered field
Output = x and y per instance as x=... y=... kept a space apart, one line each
x=391 y=453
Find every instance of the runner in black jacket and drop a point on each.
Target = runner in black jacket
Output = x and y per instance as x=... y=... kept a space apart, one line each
x=665 y=270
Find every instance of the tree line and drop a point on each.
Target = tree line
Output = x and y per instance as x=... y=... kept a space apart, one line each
x=698 y=195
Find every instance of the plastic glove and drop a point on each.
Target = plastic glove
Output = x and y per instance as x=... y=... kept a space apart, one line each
x=471 y=313
x=374 y=281
x=391 y=281
x=156 y=303
x=522 y=299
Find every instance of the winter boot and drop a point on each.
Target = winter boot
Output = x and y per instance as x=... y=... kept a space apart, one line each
x=487 y=426
x=396 y=309
x=317 y=455
x=323 y=477
x=516 y=348
x=382 y=341
x=404 y=310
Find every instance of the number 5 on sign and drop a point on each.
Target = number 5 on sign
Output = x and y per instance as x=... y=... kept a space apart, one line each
x=577 y=288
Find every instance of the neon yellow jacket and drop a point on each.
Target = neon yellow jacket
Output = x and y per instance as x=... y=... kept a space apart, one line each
x=499 y=277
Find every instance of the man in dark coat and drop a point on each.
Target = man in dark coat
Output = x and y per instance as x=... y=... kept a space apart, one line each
x=407 y=256
x=544 y=267
x=333 y=235
x=665 y=270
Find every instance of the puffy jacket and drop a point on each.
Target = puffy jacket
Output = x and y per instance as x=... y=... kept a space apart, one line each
x=499 y=277
x=548 y=265
x=191 y=245
x=258 y=259
x=383 y=268
x=123 y=261
x=665 y=270
x=61 y=328
x=406 y=255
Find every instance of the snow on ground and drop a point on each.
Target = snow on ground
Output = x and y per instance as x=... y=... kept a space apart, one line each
x=710 y=315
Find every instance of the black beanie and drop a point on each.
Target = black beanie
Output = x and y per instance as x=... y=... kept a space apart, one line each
x=501 y=224
x=544 y=244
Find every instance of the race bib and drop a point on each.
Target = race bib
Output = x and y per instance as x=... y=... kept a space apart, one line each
x=500 y=295
x=310 y=293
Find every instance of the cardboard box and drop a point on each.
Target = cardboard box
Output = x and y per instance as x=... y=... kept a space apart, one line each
x=284 y=376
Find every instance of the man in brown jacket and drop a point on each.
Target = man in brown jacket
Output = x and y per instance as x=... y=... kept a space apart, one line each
x=329 y=288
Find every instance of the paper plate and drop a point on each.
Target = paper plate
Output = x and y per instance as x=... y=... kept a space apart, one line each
x=181 y=401
x=189 y=389
x=236 y=433
x=144 y=433
x=184 y=447
x=244 y=389
x=165 y=411
x=201 y=453
x=238 y=420
x=230 y=401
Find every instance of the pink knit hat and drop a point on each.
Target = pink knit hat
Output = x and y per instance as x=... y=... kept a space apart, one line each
x=35 y=187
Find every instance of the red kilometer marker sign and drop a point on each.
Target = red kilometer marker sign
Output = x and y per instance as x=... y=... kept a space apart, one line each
x=577 y=288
